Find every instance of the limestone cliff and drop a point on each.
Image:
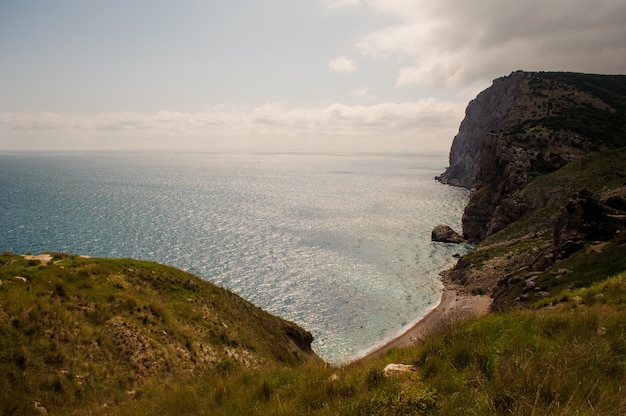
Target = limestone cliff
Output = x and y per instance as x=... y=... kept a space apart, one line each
x=545 y=156
x=524 y=125
x=488 y=112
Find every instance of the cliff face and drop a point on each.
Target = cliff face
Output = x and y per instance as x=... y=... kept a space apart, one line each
x=545 y=157
x=488 y=112
x=525 y=125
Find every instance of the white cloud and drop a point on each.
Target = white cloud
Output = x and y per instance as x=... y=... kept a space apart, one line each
x=342 y=65
x=416 y=125
x=338 y=4
x=422 y=44
x=394 y=40
x=405 y=10
x=361 y=92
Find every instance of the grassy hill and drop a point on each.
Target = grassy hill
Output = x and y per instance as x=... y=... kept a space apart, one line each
x=74 y=331
x=566 y=355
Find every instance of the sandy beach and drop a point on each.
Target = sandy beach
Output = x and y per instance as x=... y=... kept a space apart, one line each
x=455 y=303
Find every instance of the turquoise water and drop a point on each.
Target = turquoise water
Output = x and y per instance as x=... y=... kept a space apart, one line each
x=339 y=244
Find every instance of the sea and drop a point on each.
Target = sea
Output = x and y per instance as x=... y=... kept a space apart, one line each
x=337 y=243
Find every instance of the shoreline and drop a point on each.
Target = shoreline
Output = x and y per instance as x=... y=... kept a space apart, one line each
x=455 y=303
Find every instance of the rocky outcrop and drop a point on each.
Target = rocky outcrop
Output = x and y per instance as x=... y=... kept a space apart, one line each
x=525 y=125
x=503 y=169
x=583 y=219
x=547 y=173
x=489 y=112
x=300 y=338
x=444 y=234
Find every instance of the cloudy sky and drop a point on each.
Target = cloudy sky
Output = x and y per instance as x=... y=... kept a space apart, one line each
x=278 y=75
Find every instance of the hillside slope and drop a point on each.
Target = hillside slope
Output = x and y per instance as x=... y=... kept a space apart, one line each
x=73 y=329
x=564 y=356
x=549 y=184
x=526 y=125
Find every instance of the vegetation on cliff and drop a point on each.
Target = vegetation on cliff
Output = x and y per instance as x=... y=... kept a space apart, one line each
x=526 y=125
x=548 y=214
x=574 y=235
x=549 y=203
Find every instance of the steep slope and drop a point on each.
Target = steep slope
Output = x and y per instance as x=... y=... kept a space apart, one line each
x=74 y=328
x=492 y=110
x=548 y=205
x=525 y=125
x=564 y=356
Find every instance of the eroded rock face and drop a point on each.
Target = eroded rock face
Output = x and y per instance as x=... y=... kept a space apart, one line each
x=482 y=159
x=444 y=234
x=488 y=112
x=302 y=339
x=527 y=126
x=582 y=219
x=524 y=125
x=503 y=169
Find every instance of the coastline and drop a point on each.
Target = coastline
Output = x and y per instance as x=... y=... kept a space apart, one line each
x=455 y=303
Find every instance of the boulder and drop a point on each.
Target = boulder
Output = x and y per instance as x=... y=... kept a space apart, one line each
x=582 y=219
x=395 y=369
x=444 y=234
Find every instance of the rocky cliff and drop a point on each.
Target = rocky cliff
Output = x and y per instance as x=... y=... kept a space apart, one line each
x=489 y=112
x=524 y=125
x=544 y=156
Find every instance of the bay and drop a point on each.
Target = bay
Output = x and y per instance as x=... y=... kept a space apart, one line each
x=338 y=243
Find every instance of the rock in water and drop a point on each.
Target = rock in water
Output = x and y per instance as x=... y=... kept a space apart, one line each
x=444 y=234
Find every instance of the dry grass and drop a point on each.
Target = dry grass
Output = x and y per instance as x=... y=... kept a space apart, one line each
x=566 y=356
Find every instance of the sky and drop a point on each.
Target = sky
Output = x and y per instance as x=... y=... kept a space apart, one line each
x=278 y=75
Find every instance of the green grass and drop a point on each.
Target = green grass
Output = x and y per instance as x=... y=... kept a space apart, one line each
x=78 y=329
x=519 y=247
x=565 y=355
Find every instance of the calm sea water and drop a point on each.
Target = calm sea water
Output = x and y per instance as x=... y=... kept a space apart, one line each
x=339 y=244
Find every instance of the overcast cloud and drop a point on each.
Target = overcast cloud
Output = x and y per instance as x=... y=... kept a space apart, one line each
x=452 y=42
x=279 y=75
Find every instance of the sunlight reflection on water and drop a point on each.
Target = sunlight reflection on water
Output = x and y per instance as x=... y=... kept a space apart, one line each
x=339 y=244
